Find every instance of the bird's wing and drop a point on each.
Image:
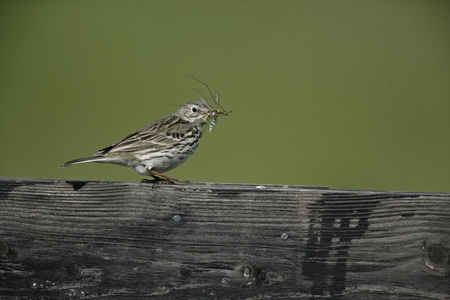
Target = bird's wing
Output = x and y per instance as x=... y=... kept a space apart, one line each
x=160 y=134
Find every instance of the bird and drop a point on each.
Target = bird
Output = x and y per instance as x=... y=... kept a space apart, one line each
x=160 y=146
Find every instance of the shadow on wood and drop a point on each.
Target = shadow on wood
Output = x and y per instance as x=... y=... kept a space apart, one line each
x=77 y=239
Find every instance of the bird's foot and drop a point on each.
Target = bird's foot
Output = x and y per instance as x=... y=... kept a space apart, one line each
x=162 y=179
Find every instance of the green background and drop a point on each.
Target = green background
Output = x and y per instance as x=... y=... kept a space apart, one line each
x=345 y=94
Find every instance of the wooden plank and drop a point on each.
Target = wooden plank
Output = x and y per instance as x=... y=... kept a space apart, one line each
x=79 y=239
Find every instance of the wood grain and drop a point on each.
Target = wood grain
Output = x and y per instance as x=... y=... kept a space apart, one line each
x=74 y=239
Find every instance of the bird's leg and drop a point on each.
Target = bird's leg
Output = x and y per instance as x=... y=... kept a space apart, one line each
x=168 y=179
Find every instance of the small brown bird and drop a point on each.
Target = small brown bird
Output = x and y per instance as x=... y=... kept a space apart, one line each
x=160 y=146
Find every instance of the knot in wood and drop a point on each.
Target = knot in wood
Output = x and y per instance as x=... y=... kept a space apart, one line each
x=438 y=255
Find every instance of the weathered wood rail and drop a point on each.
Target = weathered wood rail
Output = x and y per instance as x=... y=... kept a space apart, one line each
x=73 y=239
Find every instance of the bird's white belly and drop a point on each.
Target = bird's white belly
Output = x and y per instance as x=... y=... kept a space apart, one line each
x=165 y=160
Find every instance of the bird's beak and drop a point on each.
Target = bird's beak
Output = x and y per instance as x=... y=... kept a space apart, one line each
x=206 y=117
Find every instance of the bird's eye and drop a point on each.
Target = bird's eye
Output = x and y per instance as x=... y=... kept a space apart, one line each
x=194 y=109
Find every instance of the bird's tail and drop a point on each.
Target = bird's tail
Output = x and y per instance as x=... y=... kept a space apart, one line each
x=84 y=160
